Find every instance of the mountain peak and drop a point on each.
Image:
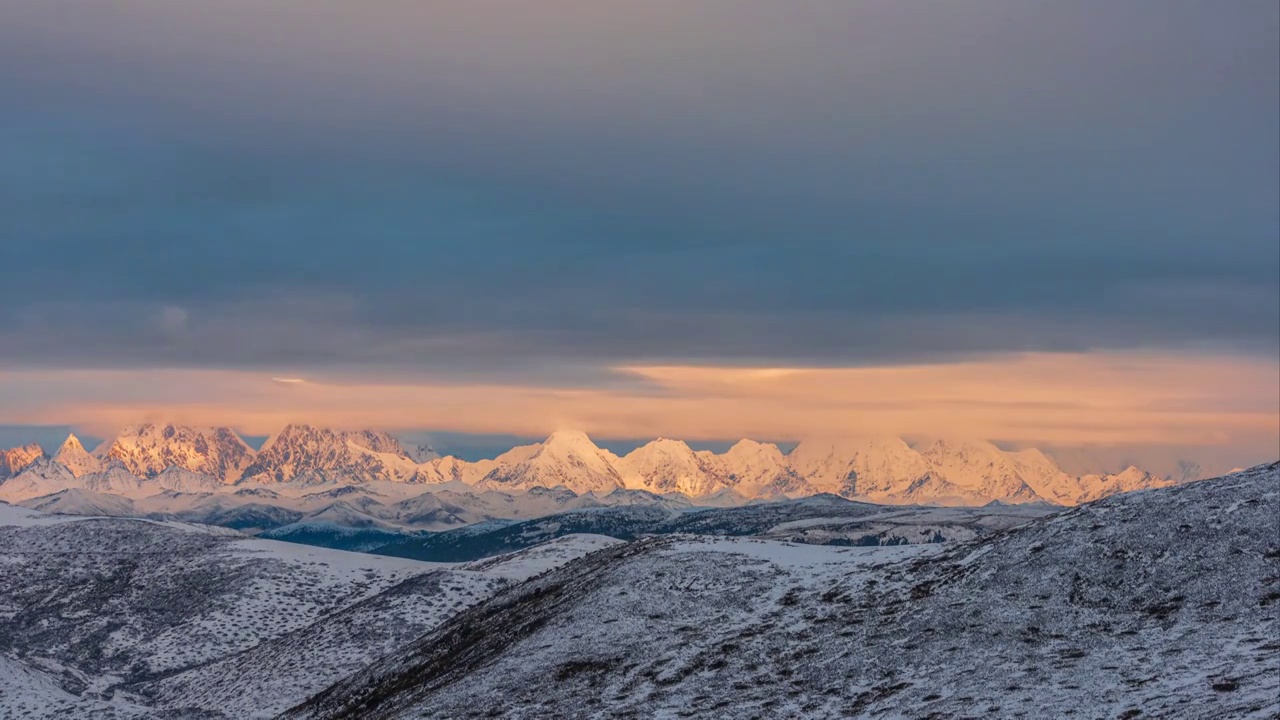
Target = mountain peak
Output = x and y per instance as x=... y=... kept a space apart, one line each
x=72 y=443
x=871 y=467
x=73 y=455
x=15 y=460
x=666 y=446
x=149 y=449
x=568 y=458
x=568 y=438
x=747 y=447
x=373 y=440
x=318 y=454
x=665 y=465
x=761 y=470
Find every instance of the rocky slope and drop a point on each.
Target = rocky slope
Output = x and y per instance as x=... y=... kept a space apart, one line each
x=148 y=450
x=119 y=618
x=15 y=460
x=317 y=455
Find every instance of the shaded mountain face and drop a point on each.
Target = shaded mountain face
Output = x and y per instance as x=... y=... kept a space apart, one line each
x=148 y=450
x=134 y=620
x=421 y=453
x=820 y=519
x=1156 y=604
x=41 y=477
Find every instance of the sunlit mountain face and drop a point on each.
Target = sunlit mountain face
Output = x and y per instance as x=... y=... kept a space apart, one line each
x=361 y=361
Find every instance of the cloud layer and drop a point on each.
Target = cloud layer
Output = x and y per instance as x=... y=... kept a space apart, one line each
x=1027 y=221
x=1045 y=399
x=448 y=184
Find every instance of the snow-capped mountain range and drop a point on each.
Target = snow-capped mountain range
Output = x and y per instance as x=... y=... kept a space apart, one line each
x=148 y=459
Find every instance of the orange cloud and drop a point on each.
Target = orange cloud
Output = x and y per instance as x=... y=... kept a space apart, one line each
x=1062 y=399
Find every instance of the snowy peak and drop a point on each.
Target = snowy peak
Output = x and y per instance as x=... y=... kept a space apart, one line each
x=374 y=440
x=567 y=458
x=78 y=460
x=148 y=450
x=15 y=460
x=1045 y=477
x=876 y=467
x=311 y=454
x=760 y=469
x=746 y=450
x=566 y=441
x=948 y=472
x=71 y=445
x=980 y=469
x=1094 y=487
x=664 y=466
x=451 y=469
x=40 y=477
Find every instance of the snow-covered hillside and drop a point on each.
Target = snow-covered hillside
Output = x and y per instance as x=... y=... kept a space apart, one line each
x=131 y=618
x=1161 y=603
x=820 y=519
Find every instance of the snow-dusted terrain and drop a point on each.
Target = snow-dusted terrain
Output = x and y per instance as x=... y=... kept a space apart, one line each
x=365 y=491
x=1160 y=603
x=107 y=617
x=819 y=520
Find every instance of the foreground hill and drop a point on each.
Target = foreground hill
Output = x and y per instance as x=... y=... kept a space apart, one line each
x=1153 y=604
x=819 y=520
x=114 y=618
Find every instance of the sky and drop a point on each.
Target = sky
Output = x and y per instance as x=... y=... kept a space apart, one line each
x=1050 y=224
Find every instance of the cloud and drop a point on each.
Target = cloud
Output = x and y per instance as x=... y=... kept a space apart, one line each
x=490 y=186
x=173 y=319
x=1048 y=399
